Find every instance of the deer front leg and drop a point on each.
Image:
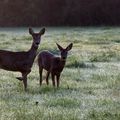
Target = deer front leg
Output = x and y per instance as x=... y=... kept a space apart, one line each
x=40 y=73
x=47 y=76
x=25 y=83
x=53 y=80
x=24 y=77
x=58 y=80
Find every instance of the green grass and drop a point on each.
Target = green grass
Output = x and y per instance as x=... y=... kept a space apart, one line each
x=89 y=84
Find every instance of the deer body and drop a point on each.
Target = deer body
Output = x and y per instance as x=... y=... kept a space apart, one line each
x=14 y=61
x=21 y=61
x=52 y=64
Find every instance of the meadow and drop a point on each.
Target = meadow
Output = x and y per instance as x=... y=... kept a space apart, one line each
x=89 y=84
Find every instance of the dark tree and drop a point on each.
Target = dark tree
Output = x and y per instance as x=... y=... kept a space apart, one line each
x=59 y=12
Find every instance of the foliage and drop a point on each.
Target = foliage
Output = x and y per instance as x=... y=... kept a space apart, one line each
x=57 y=12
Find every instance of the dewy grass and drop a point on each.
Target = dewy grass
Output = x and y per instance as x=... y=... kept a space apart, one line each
x=89 y=84
x=104 y=56
x=63 y=102
x=103 y=115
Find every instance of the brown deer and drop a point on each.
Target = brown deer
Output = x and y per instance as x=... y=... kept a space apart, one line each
x=21 y=61
x=53 y=64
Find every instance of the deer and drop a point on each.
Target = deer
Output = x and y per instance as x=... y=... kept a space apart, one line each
x=53 y=64
x=21 y=61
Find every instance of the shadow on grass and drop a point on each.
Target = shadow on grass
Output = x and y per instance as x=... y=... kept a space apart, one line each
x=77 y=64
x=116 y=41
x=3 y=35
x=63 y=102
x=106 y=115
x=104 y=57
x=44 y=89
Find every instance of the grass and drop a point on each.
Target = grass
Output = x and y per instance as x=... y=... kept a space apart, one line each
x=89 y=85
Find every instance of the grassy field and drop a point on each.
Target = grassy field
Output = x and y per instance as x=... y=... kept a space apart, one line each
x=90 y=82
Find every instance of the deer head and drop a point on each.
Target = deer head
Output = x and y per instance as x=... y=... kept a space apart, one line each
x=36 y=36
x=64 y=51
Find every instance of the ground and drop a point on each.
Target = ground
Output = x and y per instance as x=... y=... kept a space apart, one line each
x=89 y=85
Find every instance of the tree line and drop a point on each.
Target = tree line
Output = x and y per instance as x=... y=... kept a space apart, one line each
x=59 y=12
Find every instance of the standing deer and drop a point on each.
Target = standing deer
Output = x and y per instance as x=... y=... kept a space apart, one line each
x=53 y=64
x=21 y=61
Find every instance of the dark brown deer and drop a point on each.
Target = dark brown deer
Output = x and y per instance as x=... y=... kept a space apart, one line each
x=53 y=64
x=21 y=61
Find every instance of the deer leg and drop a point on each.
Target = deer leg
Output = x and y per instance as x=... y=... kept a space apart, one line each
x=25 y=82
x=24 y=77
x=58 y=80
x=53 y=79
x=40 y=72
x=47 y=76
x=19 y=78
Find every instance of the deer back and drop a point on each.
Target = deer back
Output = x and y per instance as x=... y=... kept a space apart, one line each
x=45 y=59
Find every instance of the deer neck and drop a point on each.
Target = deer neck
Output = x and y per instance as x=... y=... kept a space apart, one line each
x=63 y=62
x=33 y=51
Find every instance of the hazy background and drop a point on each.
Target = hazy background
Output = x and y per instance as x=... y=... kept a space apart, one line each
x=59 y=12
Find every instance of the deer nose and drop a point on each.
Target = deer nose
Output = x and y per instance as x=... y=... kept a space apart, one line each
x=37 y=43
x=64 y=58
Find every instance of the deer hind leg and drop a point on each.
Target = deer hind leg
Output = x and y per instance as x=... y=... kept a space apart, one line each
x=47 y=76
x=53 y=80
x=58 y=80
x=19 y=78
x=40 y=73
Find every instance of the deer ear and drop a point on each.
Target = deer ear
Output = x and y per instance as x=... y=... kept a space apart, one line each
x=60 y=48
x=31 y=31
x=69 y=47
x=42 y=31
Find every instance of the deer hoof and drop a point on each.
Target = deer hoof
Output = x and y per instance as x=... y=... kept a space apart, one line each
x=19 y=78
